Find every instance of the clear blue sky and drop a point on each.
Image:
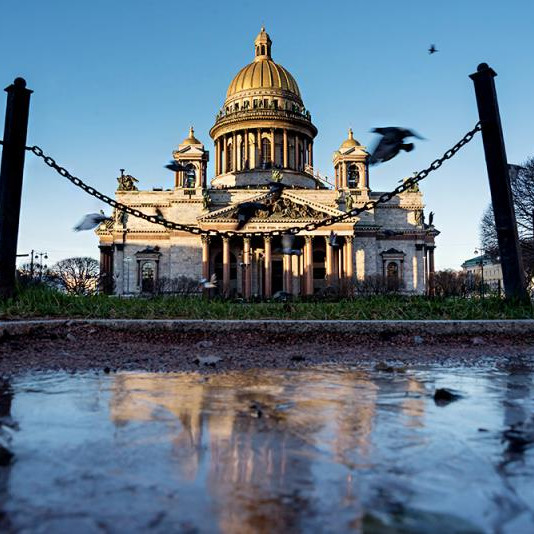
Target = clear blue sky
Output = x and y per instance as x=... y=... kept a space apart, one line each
x=117 y=84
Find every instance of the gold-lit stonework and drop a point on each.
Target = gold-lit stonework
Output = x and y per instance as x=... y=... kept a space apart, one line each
x=264 y=132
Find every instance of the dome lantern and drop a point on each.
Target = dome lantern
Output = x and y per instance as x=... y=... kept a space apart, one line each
x=262 y=46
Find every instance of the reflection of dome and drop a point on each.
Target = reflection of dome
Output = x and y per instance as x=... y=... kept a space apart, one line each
x=191 y=139
x=263 y=74
x=350 y=141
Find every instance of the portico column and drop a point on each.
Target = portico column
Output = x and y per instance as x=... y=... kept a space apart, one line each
x=329 y=262
x=285 y=149
x=226 y=266
x=246 y=262
x=308 y=264
x=268 y=266
x=349 y=262
x=205 y=257
x=431 y=270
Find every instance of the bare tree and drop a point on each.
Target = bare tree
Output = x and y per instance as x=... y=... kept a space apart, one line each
x=78 y=276
x=522 y=184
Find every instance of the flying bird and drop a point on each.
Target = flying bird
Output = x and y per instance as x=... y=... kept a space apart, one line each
x=91 y=220
x=288 y=241
x=391 y=143
x=332 y=240
x=275 y=188
x=432 y=49
x=204 y=283
x=175 y=166
x=247 y=210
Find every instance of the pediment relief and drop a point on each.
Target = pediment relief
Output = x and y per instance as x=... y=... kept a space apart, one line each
x=287 y=207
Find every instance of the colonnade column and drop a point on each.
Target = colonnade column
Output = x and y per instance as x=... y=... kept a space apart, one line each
x=245 y=164
x=224 y=153
x=258 y=143
x=272 y=158
x=311 y=153
x=349 y=262
x=308 y=264
x=285 y=149
x=296 y=152
x=247 y=267
x=234 y=152
x=226 y=266
x=268 y=267
x=288 y=273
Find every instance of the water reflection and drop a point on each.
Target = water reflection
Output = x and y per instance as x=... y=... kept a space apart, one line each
x=270 y=451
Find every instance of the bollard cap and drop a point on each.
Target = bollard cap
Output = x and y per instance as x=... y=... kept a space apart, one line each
x=483 y=69
x=18 y=84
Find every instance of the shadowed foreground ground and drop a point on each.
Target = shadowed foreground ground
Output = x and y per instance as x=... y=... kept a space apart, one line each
x=73 y=345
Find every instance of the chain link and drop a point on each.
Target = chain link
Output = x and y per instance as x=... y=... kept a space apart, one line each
x=369 y=205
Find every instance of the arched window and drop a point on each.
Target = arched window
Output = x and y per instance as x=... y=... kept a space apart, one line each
x=392 y=276
x=265 y=152
x=353 y=176
x=190 y=176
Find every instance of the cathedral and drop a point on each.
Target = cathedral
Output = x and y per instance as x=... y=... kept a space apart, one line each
x=264 y=133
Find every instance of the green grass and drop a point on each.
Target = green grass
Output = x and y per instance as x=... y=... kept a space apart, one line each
x=40 y=302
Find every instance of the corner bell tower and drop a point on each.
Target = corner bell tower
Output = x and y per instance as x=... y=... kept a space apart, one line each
x=350 y=165
x=191 y=155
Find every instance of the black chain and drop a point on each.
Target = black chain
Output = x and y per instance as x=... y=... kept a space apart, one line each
x=369 y=205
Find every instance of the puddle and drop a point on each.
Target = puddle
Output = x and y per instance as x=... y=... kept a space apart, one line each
x=314 y=450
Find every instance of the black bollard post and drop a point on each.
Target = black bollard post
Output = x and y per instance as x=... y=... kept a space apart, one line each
x=499 y=180
x=11 y=174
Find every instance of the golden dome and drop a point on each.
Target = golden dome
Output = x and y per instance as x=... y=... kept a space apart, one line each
x=350 y=141
x=263 y=72
x=191 y=139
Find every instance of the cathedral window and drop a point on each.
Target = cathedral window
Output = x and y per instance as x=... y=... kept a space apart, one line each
x=147 y=277
x=255 y=103
x=392 y=276
x=353 y=176
x=265 y=152
x=190 y=177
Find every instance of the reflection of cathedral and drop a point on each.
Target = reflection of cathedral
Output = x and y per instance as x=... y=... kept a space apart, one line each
x=264 y=131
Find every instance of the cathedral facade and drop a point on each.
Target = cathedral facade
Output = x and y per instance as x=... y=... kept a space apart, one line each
x=263 y=133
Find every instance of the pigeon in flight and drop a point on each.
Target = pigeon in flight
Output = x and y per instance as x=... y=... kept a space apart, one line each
x=432 y=49
x=204 y=283
x=332 y=240
x=275 y=188
x=91 y=220
x=175 y=166
x=288 y=241
x=247 y=210
x=391 y=143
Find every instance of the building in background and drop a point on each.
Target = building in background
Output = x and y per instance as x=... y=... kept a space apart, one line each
x=264 y=130
x=484 y=269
